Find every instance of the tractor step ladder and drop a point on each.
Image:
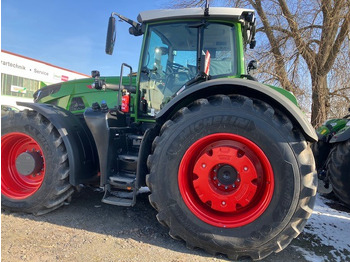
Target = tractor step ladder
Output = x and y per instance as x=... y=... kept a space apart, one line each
x=121 y=190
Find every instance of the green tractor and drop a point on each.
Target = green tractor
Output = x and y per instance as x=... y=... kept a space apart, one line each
x=332 y=157
x=227 y=159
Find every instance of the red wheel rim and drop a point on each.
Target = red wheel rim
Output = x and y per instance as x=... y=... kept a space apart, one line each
x=226 y=180
x=15 y=185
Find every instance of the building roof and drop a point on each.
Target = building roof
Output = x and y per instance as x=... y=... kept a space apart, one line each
x=44 y=63
x=186 y=13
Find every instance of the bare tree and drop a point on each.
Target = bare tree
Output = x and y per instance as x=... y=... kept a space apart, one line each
x=303 y=34
x=339 y=83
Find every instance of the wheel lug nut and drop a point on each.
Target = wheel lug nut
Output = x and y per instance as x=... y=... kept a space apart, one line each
x=215 y=178
x=223 y=203
x=204 y=165
x=219 y=184
x=226 y=187
x=238 y=180
x=245 y=168
x=233 y=185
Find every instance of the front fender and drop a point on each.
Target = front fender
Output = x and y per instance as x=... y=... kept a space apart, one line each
x=342 y=135
x=80 y=146
x=244 y=87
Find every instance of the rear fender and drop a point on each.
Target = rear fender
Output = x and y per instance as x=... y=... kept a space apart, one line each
x=81 y=148
x=245 y=87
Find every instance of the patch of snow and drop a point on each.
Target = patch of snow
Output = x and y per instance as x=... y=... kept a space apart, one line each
x=309 y=255
x=143 y=190
x=331 y=227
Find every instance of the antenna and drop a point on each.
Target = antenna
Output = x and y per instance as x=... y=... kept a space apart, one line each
x=206 y=10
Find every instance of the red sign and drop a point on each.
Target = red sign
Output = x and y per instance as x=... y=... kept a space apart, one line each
x=64 y=78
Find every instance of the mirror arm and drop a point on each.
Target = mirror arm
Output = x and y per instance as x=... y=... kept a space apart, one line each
x=134 y=24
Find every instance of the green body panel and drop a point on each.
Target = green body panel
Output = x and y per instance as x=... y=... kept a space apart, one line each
x=345 y=128
x=331 y=127
x=240 y=50
x=82 y=88
x=342 y=135
x=286 y=93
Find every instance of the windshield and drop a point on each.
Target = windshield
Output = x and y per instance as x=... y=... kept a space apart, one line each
x=170 y=58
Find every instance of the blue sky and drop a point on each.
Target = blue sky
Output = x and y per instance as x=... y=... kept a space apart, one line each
x=72 y=34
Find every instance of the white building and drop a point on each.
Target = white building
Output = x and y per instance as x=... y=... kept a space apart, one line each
x=21 y=76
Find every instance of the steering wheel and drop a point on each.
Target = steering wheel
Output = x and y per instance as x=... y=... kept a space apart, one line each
x=173 y=68
x=174 y=71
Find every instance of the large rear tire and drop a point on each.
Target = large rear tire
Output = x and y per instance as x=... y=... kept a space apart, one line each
x=34 y=164
x=232 y=175
x=339 y=171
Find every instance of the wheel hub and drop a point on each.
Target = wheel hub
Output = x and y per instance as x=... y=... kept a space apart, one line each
x=29 y=163
x=227 y=175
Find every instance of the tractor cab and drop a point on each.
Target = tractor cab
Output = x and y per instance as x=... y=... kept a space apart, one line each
x=170 y=64
x=185 y=47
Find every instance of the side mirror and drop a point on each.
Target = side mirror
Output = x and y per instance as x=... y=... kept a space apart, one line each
x=111 y=34
x=252 y=44
x=95 y=73
x=252 y=65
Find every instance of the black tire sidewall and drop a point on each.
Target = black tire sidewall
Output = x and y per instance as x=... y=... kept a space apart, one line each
x=339 y=171
x=257 y=128
x=46 y=141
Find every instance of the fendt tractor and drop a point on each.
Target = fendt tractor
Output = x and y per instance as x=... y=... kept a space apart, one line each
x=226 y=158
x=332 y=154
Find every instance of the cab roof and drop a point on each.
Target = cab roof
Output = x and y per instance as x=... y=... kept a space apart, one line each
x=234 y=14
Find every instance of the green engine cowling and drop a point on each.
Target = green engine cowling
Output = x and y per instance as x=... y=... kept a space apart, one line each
x=77 y=95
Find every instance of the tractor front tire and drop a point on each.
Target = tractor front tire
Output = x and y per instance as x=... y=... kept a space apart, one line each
x=231 y=175
x=339 y=171
x=34 y=164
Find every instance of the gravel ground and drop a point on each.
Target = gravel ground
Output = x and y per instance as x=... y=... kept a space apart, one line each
x=88 y=230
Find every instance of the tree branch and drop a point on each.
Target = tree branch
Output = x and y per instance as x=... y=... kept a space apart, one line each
x=316 y=41
x=339 y=90
x=279 y=60
x=343 y=33
x=304 y=50
x=342 y=96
